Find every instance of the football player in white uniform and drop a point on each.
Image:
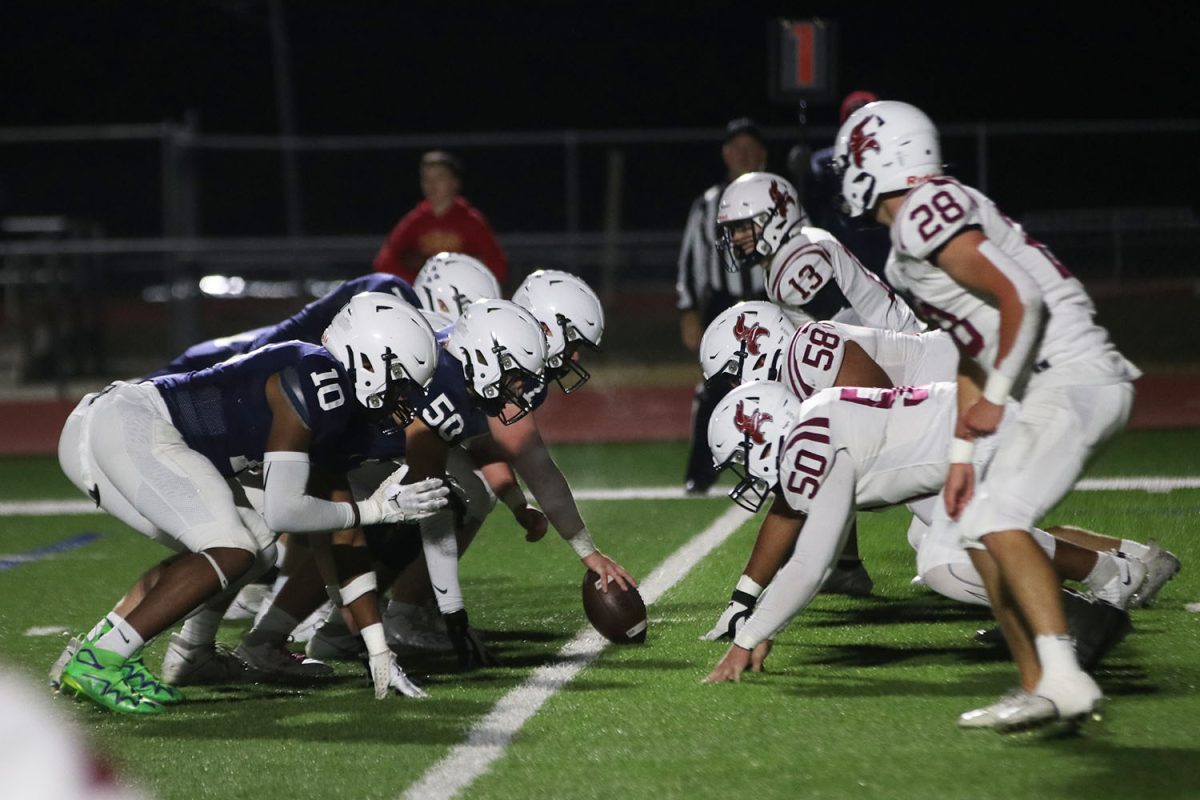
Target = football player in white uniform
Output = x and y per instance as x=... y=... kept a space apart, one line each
x=864 y=448
x=809 y=273
x=1019 y=315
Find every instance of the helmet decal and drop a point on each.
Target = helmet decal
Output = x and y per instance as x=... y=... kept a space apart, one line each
x=749 y=335
x=781 y=198
x=861 y=142
x=751 y=425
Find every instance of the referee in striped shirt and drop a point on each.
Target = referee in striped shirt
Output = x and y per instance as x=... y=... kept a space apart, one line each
x=706 y=289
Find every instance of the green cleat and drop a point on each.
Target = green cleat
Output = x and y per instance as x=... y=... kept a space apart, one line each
x=99 y=675
x=147 y=684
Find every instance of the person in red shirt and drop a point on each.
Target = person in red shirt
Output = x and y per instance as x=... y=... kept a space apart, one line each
x=443 y=222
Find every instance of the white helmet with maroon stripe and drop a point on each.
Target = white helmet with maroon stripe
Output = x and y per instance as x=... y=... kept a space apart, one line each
x=886 y=146
x=746 y=434
x=747 y=342
x=757 y=214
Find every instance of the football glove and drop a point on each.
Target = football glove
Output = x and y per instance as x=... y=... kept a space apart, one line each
x=387 y=676
x=469 y=647
x=740 y=607
x=395 y=502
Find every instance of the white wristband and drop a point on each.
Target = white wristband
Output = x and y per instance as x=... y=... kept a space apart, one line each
x=961 y=451
x=997 y=388
x=582 y=543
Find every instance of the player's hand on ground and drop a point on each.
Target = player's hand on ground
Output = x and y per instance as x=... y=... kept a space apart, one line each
x=387 y=676
x=730 y=621
x=759 y=655
x=959 y=489
x=533 y=521
x=731 y=666
x=982 y=418
x=608 y=570
x=468 y=645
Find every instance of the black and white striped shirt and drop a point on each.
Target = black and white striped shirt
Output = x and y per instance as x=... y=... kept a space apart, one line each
x=701 y=271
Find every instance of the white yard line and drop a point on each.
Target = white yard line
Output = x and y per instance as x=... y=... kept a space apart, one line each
x=1133 y=483
x=491 y=735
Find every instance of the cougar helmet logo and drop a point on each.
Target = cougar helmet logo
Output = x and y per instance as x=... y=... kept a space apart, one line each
x=862 y=142
x=751 y=425
x=750 y=335
x=780 y=198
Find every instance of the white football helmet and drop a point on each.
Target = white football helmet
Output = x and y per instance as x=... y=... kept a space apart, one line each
x=436 y=319
x=761 y=210
x=503 y=354
x=388 y=349
x=571 y=317
x=449 y=282
x=746 y=433
x=747 y=342
x=885 y=146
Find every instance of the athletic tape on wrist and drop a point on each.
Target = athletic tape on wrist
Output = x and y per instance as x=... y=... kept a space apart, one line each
x=357 y=587
x=749 y=586
x=961 y=451
x=997 y=388
x=582 y=543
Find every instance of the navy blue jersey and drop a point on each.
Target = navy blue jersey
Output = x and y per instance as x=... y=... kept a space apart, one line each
x=306 y=325
x=222 y=411
x=448 y=407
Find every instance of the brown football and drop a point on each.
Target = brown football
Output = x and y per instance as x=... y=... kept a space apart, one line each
x=619 y=616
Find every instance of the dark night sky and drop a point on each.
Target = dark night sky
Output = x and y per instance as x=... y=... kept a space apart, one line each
x=411 y=67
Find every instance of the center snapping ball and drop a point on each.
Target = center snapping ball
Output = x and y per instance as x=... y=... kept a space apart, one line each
x=618 y=615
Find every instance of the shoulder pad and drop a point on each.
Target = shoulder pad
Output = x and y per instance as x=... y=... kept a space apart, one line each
x=931 y=215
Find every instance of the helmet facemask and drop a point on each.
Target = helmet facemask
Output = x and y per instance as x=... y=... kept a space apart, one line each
x=513 y=388
x=750 y=492
x=741 y=243
x=395 y=398
x=564 y=368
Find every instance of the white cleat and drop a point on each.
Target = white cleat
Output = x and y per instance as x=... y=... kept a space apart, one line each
x=988 y=716
x=56 y=670
x=187 y=664
x=1161 y=566
x=387 y=676
x=1071 y=698
x=414 y=627
x=277 y=661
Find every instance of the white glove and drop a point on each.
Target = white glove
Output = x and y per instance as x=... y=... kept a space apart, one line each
x=397 y=502
x=387 y=675
x=732 y=619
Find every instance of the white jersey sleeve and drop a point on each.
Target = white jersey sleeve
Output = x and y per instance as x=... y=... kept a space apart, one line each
x=815 y=272
x=830 y=512
x=814 y=358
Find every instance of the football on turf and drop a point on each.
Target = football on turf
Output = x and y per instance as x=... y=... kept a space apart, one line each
x=618 y=615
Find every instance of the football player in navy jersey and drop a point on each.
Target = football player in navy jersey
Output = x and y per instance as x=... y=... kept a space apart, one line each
x=163 y=456
x=306 y=325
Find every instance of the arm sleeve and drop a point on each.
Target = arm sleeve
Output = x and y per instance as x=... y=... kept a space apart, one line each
x=692 y=276
x=801 y=577
x=874 y=302
x=287 y=508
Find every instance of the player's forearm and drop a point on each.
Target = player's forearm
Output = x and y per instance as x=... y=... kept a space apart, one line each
x=1021 y=310
x=287 y=507
x=776 y=539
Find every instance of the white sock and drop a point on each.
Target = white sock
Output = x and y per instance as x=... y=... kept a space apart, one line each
x=201 y=627
x=122 y=639
x=1135 y=549
x=273 y=628
x=1056 y=654
x=108 y=623
x=1105 y=570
